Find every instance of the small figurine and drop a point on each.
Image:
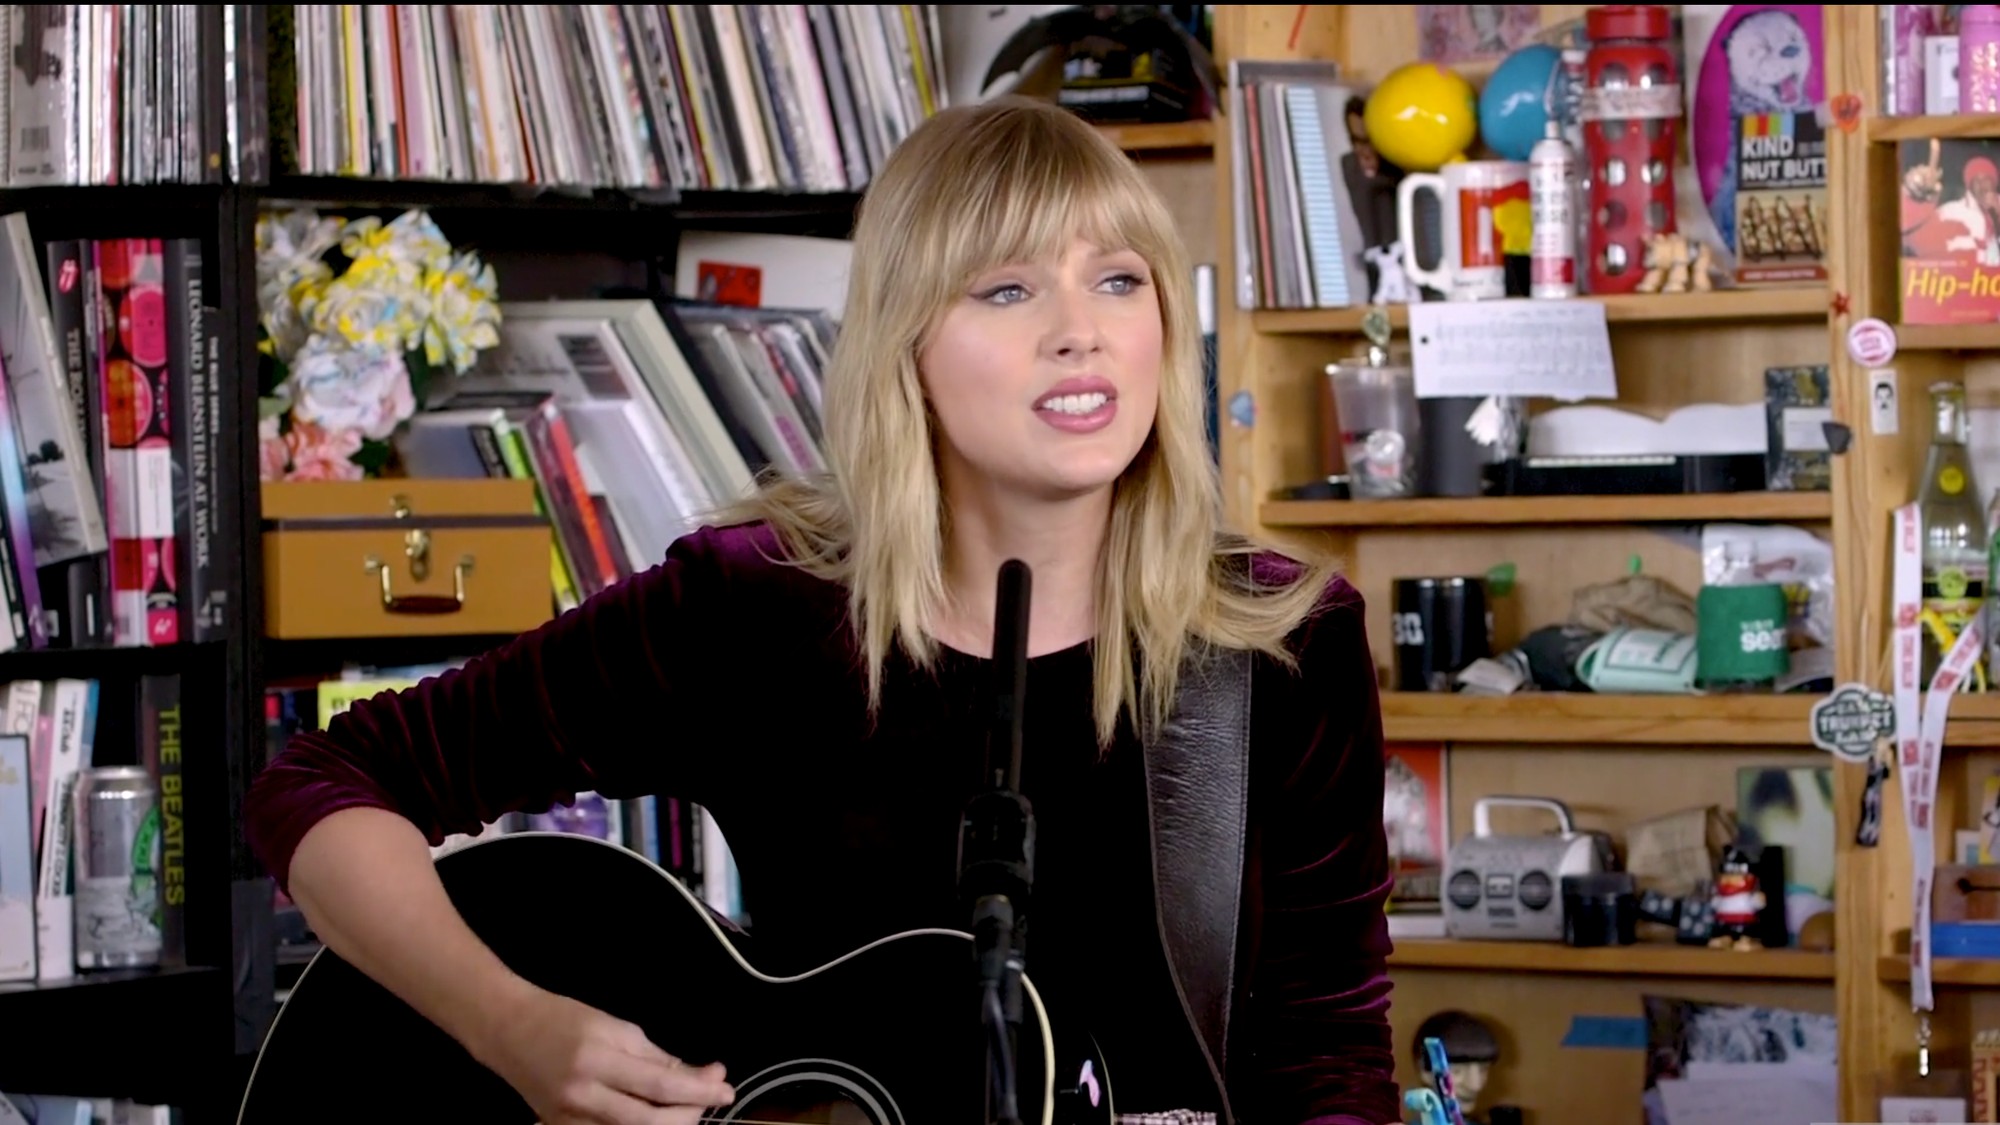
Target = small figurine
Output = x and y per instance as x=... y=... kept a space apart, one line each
x=1393 y=286
x=1738 y=903
x=1471 y=1048
x=1677 y=264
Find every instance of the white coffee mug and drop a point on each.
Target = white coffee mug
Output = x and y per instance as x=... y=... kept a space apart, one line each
x=1483 y=202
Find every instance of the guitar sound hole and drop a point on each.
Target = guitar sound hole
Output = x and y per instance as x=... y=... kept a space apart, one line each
x=811 y=1092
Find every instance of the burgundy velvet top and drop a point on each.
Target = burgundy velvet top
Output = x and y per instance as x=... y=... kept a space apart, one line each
x=731 y=680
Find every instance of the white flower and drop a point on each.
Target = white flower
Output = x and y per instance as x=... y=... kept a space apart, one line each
x=343 y=387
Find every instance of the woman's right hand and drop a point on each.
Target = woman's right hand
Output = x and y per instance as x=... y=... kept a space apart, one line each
x=577 y=1065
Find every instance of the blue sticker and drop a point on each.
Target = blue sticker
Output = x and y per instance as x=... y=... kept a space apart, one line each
x=1242 y=409
x=1618 y=1033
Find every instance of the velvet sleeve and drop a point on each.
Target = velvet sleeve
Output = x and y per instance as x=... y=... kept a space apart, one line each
x=1320 y=996
x=587 y=702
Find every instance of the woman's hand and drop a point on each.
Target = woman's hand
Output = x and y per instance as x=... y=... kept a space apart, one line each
x=576 y=1065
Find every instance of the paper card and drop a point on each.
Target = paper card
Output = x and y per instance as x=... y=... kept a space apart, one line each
x=1520 y=348
x=1786 y=1095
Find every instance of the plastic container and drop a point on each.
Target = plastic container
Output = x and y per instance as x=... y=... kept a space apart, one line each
x=1375 y=404
x=1631 y=123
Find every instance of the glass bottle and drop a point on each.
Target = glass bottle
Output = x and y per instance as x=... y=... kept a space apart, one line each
x=1954 y=560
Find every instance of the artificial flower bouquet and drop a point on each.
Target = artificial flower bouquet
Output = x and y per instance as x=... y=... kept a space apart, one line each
x=357 y=317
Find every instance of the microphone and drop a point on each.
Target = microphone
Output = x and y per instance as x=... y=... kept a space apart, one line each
x=997 y=847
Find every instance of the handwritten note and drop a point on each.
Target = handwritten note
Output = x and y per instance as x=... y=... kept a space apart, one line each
x=1520 y=348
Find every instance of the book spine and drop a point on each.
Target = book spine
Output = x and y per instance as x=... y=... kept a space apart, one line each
x=160 y=719
x=195 y=411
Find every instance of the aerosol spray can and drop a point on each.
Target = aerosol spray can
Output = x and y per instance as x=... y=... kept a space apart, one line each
x=1552 y=204
x=117 y=858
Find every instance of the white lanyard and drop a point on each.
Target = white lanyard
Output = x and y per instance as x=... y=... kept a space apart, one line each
x=1920 y=735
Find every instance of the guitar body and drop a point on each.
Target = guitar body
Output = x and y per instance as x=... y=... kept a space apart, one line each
x=887 y=1035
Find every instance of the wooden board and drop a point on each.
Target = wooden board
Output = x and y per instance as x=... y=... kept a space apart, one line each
x=1619 y=308
x=1644 y=959
x=1588 y=718
x=1550 y=510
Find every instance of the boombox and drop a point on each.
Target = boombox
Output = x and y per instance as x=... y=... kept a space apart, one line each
x=1510 y=887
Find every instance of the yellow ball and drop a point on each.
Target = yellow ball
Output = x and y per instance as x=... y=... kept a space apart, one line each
x=1422 y=116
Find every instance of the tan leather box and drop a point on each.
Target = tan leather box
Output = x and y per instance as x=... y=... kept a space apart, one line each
x=404 y=558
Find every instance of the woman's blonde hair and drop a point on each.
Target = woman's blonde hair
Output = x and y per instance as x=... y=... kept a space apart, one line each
x=976 y=187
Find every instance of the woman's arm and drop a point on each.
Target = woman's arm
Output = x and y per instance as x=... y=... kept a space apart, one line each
x=342 y=817
x=1320 y=1025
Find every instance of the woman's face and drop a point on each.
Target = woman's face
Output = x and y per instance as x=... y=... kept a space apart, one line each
x=1044 y=376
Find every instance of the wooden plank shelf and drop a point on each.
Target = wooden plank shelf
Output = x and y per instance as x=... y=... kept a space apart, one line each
x=1924 y=128
x=1647 y=959
x=1171 y=136
x=1948 y=337
x=1810 y=303
x=1962 y=972
x=1973 y=721
x=1561 y=717
x=1481 y=511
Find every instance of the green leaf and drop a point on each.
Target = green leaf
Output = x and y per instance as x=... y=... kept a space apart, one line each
x=420 y=376
x=268 y=407
x=373 y=456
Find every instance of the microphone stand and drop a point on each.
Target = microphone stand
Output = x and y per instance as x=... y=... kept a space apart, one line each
x=996 y=850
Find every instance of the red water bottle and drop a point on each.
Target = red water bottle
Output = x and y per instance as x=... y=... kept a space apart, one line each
x=1631 y=110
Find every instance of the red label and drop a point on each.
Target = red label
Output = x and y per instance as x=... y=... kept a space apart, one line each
x=1485 y=214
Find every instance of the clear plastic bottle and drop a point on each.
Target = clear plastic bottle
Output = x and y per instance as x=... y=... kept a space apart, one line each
x=1955 y=545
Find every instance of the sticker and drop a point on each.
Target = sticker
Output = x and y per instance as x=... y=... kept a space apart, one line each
x=1871 y=342
x=1952 y=479
x=1882 y=401
x=1847 y=112
x=1848 y=722
x=1840 y=304
x=1242 y=409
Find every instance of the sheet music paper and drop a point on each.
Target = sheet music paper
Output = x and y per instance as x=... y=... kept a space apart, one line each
x=1519 y=348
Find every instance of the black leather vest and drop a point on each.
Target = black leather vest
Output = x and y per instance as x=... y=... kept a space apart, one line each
x=1198 y=789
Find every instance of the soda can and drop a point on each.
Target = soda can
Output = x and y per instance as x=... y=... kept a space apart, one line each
x=117 y=868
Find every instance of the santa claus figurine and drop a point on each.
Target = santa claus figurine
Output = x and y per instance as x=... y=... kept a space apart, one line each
x=1738 y=903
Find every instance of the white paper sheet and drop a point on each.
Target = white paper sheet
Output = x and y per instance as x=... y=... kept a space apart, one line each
x=1766 y=1093
x=1522 y=348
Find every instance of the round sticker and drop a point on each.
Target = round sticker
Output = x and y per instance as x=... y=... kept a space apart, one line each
x=1951 y=479
x=1871 y=342
x=1848 y=722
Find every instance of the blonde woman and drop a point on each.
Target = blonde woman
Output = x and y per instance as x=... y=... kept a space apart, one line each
x=1017 y=376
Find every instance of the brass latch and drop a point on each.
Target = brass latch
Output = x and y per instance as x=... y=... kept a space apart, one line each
x=417 y=552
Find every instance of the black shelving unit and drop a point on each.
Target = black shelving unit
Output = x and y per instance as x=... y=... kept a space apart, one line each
x=188 y=1035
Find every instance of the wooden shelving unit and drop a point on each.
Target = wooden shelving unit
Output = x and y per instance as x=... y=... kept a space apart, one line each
x=1626 y=308
x=1586 y=718
x=1646 y=959
x=1617 y=759
x=1548 y=510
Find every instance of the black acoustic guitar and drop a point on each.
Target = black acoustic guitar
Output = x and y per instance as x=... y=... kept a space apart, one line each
x=889 y=1034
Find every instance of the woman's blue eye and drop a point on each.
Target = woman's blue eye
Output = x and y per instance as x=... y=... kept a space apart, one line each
x=1126 y=283
x=1010 y=292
